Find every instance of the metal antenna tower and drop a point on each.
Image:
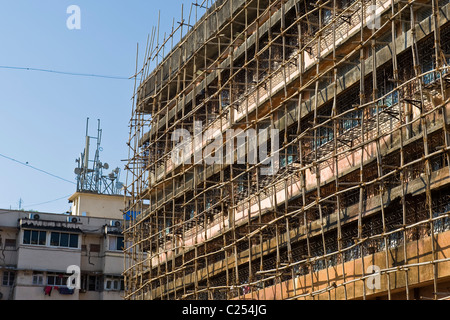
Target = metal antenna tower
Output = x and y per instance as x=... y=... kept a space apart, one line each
x=89 y=171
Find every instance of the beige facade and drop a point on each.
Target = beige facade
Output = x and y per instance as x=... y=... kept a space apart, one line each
x=97 y=205
x=36 y=250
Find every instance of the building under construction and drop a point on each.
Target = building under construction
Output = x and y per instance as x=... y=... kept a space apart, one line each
x=359 y=204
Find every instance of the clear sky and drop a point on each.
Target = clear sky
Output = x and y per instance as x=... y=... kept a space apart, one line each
x=43 y=115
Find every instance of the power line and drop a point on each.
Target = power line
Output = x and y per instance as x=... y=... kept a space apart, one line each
x=66 y=73
x=43 y=171
x=50 y=201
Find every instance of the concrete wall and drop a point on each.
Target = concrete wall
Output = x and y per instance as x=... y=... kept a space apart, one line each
x=113 y=262
x=94 y=205
x=45 y=258
x=91 y=261
x=25 y=290
x=8 y=257
x=25 y=259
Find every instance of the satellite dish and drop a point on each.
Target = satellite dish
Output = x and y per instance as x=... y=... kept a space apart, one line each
x=105 y=166
x=77 y=171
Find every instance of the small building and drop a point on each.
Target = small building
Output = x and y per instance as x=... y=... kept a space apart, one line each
x=38 y=251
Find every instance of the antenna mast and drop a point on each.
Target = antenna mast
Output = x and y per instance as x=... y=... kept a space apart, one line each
x=89 y=172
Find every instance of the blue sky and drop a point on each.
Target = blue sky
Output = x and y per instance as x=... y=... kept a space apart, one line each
x=43 y=115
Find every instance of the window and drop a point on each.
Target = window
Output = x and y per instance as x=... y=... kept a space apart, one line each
x=345 y=3
x=94 y=247
x=93 y=283
x=114 y=284
x=38 y=278
x=289 y=159
x=68 y=240
x=34 y=237
x=225 y=98
x=57 y=280
x=90 y=282
x=116 y=243
x=327 y=16
x=395 y=240
x=351 y=120
x=323 y=135
x=10 y=243
x=8 y=278
x=443 y=224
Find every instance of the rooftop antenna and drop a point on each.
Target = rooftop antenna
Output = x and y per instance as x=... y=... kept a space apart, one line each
x=89 y=171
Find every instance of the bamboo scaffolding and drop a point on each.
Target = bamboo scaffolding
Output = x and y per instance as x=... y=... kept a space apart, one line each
x=349 y=138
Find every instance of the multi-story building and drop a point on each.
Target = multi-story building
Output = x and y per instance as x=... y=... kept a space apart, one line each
x=72 y=256
x=357 y=94
x=37 y=250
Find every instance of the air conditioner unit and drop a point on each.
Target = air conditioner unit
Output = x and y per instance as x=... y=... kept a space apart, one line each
x=33 y=216
x=115 y=223
x=72 y=219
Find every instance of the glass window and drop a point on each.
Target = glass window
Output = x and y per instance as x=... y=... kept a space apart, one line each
x=73 y=241
x=8 y=278
x=68 y=240
x=54 y=239
x=26 y=236
x=114 y=283
x=116 y=243
x=94 y=247
x=10 y=243
x=64 y=240
x=42 y=238
x=93 y=283
x=119 y=243
x=34 y=237
x=38 y=278
x=57 y=280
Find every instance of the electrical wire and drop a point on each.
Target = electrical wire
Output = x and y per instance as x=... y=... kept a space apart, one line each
x=65 y=73
x=50 y=201
x=37 y=169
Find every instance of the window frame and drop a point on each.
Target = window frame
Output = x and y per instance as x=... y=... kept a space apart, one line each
x=38 y=278
x=116 y=284
x=8 y=278
x=10 y=243
x=59 y=240
x=93 y=283
x=62 y=277
x=114 y=243
x=39 y=237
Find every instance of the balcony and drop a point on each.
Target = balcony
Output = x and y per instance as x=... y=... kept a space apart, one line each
x=73 y=225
